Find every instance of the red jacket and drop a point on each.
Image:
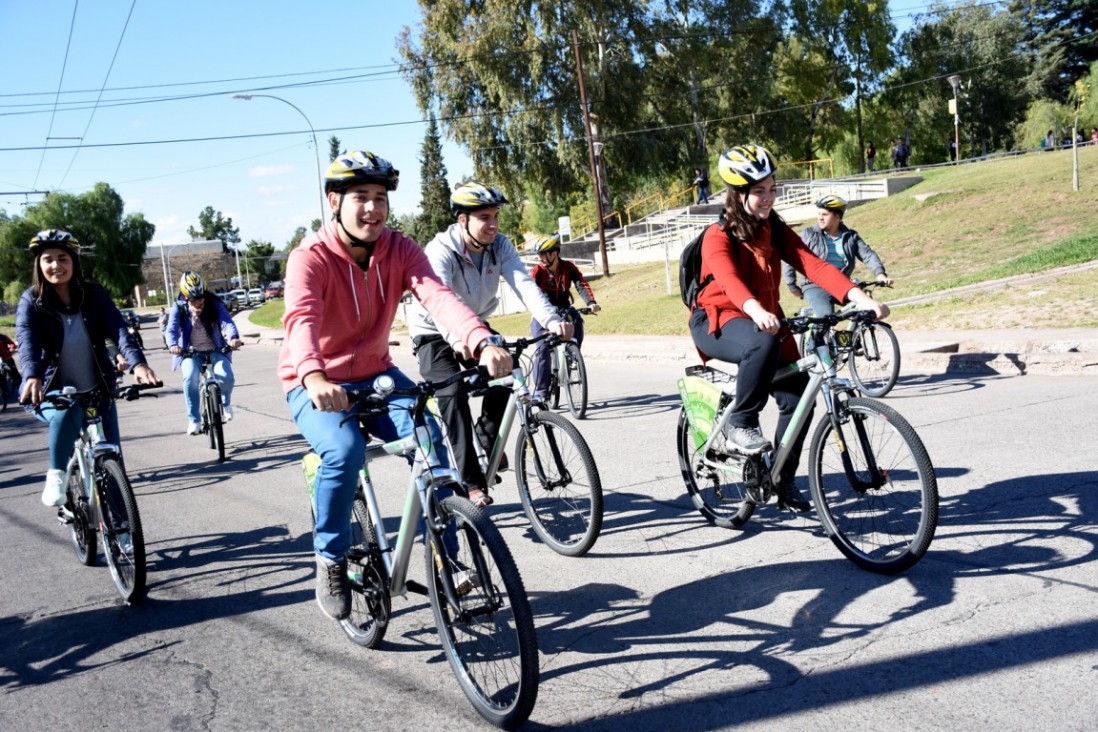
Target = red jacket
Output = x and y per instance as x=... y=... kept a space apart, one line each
x=746 y=270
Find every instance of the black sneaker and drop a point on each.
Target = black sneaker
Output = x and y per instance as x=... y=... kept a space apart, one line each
x=748 y=440
x=332 y=592
x=790 y=499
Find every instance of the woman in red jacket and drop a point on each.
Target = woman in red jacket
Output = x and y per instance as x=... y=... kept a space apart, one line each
x=737 y=317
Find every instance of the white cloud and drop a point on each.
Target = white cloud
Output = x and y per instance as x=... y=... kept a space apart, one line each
x=263 y=171
x=275 y=190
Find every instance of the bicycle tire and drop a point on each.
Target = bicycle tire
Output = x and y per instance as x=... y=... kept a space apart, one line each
x=875 y=359
x=81 y=529
x=559 y=484
x=120 y=529
x=489 y=639
x=215 y=421
x=7 y=386
x=720 y=496
x=575 y=374
x=885 y=526
x=371 y=602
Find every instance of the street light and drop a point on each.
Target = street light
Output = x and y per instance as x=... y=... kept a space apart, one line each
x=319 y=177
x=955 y=81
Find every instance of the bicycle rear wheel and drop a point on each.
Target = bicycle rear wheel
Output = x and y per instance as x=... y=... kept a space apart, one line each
x=485 y=623
x=719 y=494
x=120 y=529
x=371 y=603
x=575 y=375
x=81 y=529
x=214 y=421
x=559 y=484
x=874 y=487
x=875 y=359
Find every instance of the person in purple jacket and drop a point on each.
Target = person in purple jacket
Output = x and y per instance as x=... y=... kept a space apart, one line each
x=343 y=286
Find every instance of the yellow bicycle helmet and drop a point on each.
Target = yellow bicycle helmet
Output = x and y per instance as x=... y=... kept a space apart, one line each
x=359 y=166
x=472 y=196
x=192 y=285
x=54 y=239
x=833 y=203
x=544 y=244
x=744 y=166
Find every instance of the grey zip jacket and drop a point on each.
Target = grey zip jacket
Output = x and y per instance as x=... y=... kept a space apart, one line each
x=854 y=248
x=478 y=288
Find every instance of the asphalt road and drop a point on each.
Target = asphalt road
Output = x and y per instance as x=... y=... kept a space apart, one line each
x=669 y=624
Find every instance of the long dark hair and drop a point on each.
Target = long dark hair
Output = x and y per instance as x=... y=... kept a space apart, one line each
x=736 y=220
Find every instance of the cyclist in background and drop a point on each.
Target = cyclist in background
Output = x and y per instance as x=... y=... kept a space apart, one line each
x=840 y=246
x=555 y=277
x=63 y=324
x=737 y=317
x=470 y=257
x=343 y=286
x=203 y=323
x=7 y=355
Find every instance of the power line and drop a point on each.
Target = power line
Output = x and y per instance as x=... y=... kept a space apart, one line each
x=64 y=64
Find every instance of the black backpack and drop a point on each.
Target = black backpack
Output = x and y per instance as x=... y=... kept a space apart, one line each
x=690 y=265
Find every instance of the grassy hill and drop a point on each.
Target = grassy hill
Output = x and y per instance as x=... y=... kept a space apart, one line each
x=968 y=224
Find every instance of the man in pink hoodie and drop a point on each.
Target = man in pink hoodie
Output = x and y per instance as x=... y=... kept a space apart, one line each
x=342 y=289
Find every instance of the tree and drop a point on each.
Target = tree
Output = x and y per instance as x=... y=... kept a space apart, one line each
x=434 y=189
x=213 y=226
x=112 y=245
x=333 y=148
x=1064 y=37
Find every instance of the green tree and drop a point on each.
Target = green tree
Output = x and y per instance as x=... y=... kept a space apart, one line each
x=112 y=245
x=333 y=148
x=1064 y=36
x=258 y=256
x=211 y=225
x=434 y=190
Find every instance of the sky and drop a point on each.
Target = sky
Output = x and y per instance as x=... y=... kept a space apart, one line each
x=129 y=92
x=167 y=71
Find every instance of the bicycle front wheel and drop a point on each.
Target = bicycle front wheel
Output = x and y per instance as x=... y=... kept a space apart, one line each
x=483 y=616
x=575 y=375
x=214 y=420
x=718 y=493
x=875 y=359
x=371 y=603
x=120 y=529
x=559 y=484
x=874 y=487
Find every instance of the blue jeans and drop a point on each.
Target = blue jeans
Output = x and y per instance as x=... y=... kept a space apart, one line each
x=342 y=451
x=220 y=366
x=542 y=360
x=65 y=428
x=818 y=299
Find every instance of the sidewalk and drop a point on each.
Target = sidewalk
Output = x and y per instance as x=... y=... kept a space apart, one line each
x=1050 y=352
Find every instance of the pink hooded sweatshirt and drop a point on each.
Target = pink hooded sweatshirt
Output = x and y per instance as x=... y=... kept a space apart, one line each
x=338 y=317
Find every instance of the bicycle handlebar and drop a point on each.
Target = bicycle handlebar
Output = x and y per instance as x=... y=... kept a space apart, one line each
x=803 y=323
x=70 y=397
x=374 y=399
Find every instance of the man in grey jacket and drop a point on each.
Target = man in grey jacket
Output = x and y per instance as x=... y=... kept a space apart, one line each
x=470 y=257
x=837 y=244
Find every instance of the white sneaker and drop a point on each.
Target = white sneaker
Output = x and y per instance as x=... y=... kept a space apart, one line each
x=54 y=492
x=192 y=428
x=228 y=412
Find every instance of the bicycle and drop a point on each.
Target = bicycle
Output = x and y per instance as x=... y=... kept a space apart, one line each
x=477 y=596
x=210 y=407
x=99 y=497
x=558 y=481
x=9 y=382
x=567 y=368
x=871 y=349
x=872 y=481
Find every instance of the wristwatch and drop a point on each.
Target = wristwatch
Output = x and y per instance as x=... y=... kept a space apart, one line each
x=493 y=340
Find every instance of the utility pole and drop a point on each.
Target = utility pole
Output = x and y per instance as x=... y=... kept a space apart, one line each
x=591 y=155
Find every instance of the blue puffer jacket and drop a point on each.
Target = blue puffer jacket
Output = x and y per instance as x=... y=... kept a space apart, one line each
x=41 y=332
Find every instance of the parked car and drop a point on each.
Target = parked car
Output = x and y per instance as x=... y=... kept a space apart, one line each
x=255 y=296
x=241 y=297
x=231 y=303
x=274 y=290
